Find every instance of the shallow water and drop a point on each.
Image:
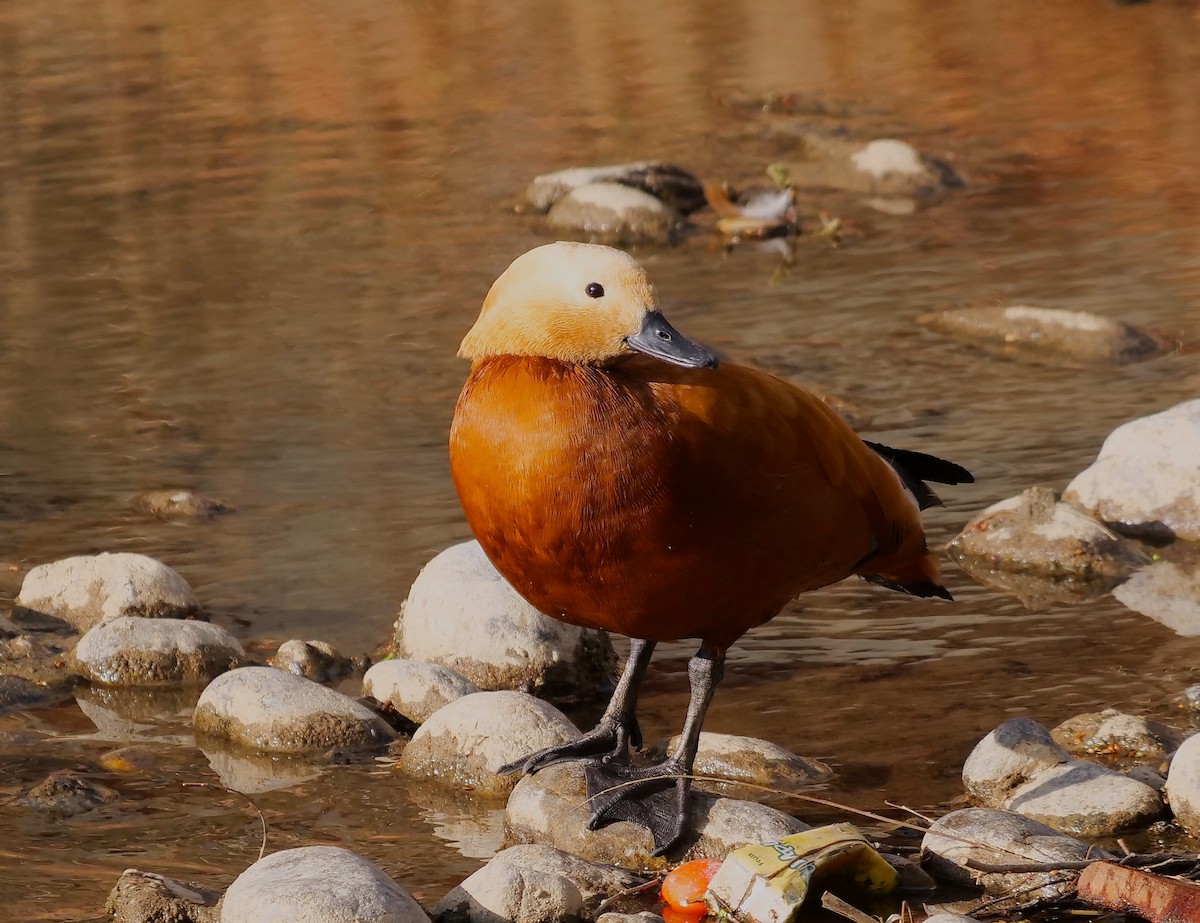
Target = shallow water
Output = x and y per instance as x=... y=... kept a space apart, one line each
x=238 y=248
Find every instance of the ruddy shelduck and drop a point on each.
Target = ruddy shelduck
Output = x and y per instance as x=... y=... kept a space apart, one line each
x=620 y=477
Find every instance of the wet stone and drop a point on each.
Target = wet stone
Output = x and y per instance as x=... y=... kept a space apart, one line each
x=885 y=167
x=1124 y=739
x=993 y=837
x=503 y=891
x=325 y=883
x=275 y=712
x=1048 y=334
x=1183 y=785
x=462 y=614
x=155 y=652
x=18 y=693
x=85 y=590
x=550 y=808
x=144 y=897
x=1144 y=480
x=1018 y=750
x=615 y=213
x=755 y=761
x=1036 y=533
x=414 y=689
x=665 y=181
x=67 y=793
x=466 y=742
x=1086 y=799
x=644 y=917
x=179 y=505
x=315 y=660
x=130 y=759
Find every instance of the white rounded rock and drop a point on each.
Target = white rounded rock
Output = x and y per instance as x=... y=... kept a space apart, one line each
x=276 y=712
x=1008 y=757
x=1183 y=785
x=462 y=614
x=469 y=740
x=317 y=884
x=749 y=759
x=1146 y=478
x=613 y=210
x=155 y=652
x=86 y=590
x=503 y=891
x=1085 y=799
x=415 y=689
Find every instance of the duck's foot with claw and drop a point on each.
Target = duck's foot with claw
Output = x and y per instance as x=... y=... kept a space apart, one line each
x=655 y=797
x=609 y=740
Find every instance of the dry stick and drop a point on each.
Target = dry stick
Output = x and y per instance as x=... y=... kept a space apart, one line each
x=834 y=903
x=628 y=892
x=262 y=850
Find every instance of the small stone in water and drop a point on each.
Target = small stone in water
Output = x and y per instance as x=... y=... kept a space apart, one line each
x=67 y=793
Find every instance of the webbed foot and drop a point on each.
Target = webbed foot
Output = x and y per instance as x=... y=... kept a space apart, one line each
x=608 y=742
x=656 y=798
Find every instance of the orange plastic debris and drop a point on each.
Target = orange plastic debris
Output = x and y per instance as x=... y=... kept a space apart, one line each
x=683 y=889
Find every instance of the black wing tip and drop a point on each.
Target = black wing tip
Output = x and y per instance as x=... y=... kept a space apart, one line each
x=922 y=588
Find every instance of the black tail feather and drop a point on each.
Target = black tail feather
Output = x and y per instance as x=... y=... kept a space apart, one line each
x=923 y=588
x=915 y=468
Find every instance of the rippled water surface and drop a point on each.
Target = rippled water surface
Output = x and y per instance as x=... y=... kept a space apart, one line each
x=239 y=243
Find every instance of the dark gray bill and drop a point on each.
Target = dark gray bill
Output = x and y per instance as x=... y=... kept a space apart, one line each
x=659 y=339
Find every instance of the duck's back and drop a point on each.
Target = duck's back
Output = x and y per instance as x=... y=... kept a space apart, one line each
x=666 y=503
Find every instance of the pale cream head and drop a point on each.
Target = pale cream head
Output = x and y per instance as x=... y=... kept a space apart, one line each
x=567 y=301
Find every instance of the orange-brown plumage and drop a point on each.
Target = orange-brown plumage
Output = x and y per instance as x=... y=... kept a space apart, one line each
x=620 y=479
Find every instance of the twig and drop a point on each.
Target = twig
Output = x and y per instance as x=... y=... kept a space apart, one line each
x=262 y=850
x=1019 y=868
x=628 y=892
x=835 y=904
x=915 y=813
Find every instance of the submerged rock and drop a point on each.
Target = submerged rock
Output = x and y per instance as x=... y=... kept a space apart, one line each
x=1168 y=592
x=990 y=837
x=414 y=689
x=325 y=883
x=672 y=184
x=1146 y=479
x=1047 y=333
x=550 y=807
x=85 y=590
x=155 y=652
x=143 y=897
x=466 y=742
x=757 y=762
x=462 y=614
x=18 y=693
x=179 y=505
x=275 y=712
x=67 y=793
x=616 y=213
x=315 y=660
x=1036 y=533
x=884 y=167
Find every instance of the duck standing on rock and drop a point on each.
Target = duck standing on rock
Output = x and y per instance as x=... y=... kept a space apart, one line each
x=620 y=477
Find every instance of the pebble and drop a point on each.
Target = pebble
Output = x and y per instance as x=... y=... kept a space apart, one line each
x=1183 y=785
x=615 y=213
x=129 y=651
x=995 y=837
x=315 y=660
x=467 y=741
x=509 y=893
x=462 y=614
x=550 y=808
x=414 y=689
x=85 y=590
x=755 y=761
x=665 y=181
x=1168 y=592
x=325 y=883
x=1145 y=478
x=179 y=505
x=1036 y=533
x=1047 y=334
x=143 y=897
x=67 y=793
x=275 y=712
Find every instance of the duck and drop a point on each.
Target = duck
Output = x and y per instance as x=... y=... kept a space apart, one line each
x=621 y=476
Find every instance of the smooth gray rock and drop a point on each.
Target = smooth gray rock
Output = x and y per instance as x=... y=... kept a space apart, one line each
x=179 y=505
x=644 y=916
x=596 y=882
x=155 y=652
x=1035 y=533
x=315 y=660
x=1018 y=750
x=1183 y=785
x=144 y=897
x=1084 y=799
x=415 y=689
x=503 y=892
x=67 y=793
x=1119 y=738
x=85 y=590
x=317 y=883
x=466 y=742
x=993 y=837
x=462 y=614
x=616 y=213
x=1047 y=334
x=1168 y=592
x=673 y=185
x=275 y=712
x=550 y=808
x=755 y=761
x=1146 y=479
x=886 y=167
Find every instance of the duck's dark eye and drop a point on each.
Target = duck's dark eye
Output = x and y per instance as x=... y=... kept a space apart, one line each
x=595 y=290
